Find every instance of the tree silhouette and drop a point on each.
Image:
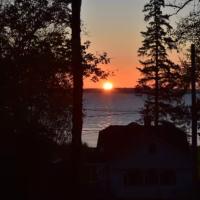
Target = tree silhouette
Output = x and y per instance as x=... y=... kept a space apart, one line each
x=36 y=79
x=39 y=92
x=186 y=33
x=32 y=89
x=159 y=74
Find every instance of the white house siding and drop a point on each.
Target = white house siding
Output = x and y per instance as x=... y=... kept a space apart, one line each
x=166 y=157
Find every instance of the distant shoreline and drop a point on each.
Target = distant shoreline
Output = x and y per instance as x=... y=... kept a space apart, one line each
x=121 y=90
x=100 y=90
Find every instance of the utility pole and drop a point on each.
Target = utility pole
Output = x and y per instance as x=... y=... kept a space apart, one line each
x=194 y=118
x=156 y=71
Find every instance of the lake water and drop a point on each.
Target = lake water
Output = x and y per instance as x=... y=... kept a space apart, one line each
x=102 y=109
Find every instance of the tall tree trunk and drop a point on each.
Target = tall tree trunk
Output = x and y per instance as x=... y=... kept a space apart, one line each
x=77 y=96
x=194 y=118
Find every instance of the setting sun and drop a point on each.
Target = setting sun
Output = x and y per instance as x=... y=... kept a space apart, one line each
x=107 y=86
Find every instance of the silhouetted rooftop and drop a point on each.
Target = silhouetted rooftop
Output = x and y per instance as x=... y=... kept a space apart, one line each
x=116 y=140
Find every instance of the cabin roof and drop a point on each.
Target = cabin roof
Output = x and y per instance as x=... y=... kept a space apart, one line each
x=116 y=140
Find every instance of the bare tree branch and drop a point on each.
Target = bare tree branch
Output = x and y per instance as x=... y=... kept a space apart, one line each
x=178 y=6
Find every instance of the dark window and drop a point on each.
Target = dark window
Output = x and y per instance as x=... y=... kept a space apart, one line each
x=90 y=174
x=151 y=177
x=152 y=148
x=168 y=177
x=134 y=178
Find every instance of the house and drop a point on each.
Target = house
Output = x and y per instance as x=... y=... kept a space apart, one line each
x=143 y=162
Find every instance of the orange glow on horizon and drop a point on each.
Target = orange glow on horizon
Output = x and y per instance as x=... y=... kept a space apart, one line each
x=124 y=77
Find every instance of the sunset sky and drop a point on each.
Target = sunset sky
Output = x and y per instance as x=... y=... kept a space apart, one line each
x=114 y=26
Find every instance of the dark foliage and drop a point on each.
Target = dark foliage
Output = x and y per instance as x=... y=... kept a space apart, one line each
x=36 y=73
x=36 y=90
x=186 y=33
